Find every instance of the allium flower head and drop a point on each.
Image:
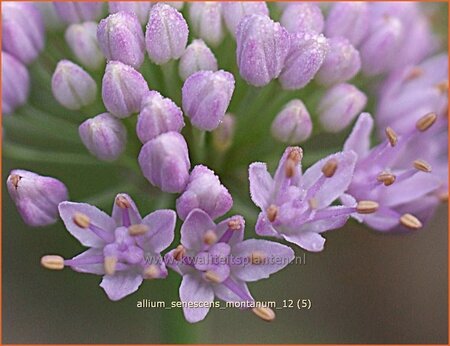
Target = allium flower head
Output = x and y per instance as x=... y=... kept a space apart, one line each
x=166 y=34
x=36 y=197
x=121 y=38
x=124 y=248
x=262 y=47
x=215 y=261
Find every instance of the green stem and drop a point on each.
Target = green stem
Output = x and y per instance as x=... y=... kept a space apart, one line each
x=171 y=81
x=199 y=139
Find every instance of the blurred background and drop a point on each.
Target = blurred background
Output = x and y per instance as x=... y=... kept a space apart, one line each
x=365 y=287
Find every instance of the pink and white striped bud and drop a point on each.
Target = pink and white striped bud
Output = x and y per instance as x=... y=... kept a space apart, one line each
x=15 y=82
x=293 y=124
x=233 y=12
x=78 y=11
x=140 y=8
x=196 y=57
x=205 y=19
x=302 y=17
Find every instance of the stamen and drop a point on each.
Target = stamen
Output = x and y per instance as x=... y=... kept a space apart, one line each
x=179 y=253
x=442 y=87
x=14 y=178
x=151 y=272
x=410 y=221
x=422 y=165
x=272 y=212
x=110 y=265
x=139 y=229
x=53 y=262
x=313 y=203
x=211 y=276
x=329 y=168
x=257 y=257
x=210 y=237
x=391 y=136
x=293 y=159
x=426 y=122
x=235 y=225
x=414 y=73
x=265 y=314
x=81 y=220
x=386 y=178
x=367 y=207
x=122 y=202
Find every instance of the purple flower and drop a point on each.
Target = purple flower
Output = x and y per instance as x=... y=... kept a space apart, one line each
x=223 y=135
x=233 y=12
x=348 y=19
x=78 y=12
x=296 y=206
x=293 y=124
x=72 y=86
x=302 y=17
x=36 y=197
x=140 y=8
x=122 y=89
x=215 y=261
x=23 y=32
x=204 y=191
x=15 y=82
x=104 y=136
x=306 y=55
x=339 y=106
x=341 y=64
x=410 y=92
x=166 y=35
x=206 y=96
x=158 y=115
x=404 y=187
x=381 y=45
x=120 y=38
x=262 y=47
x=82 y=40
x=165 y=163
x=124 y=248
x=196 y=57
x=205 y=19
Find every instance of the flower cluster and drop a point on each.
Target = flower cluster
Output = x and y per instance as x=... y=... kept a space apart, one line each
x=160 y=91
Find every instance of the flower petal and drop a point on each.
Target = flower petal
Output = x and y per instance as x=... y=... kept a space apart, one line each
x=224 y=293
x=96 y=268
x=121 y=284
x=334 y=186
x=359 y=138
x=274 y=257
x=123 y=216
x=194 y=227
x=236 y=235
x=161 y=233
x=97 y=217
x=310 y=241
x=261 y=184
x=194 y=289
x=264 y=227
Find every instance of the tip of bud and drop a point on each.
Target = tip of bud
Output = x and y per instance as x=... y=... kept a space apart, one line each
x=210 y=237
x=122 y=202
x=53 y=262
x=211 y=276
x=272 y=212
x=293 y=159
x=81 y=220
x=329 y=168
x=151 y=272
x=391 y=136
x=422 y=166
x=367 y=207
x=179 y=253
x=14 y=179
x=139 y=229
x=265 y=314
x=410 y=221
x=386 y=178
x=426 y=122
x=235 y=225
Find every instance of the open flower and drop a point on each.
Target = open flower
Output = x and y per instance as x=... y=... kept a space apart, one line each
x=214 y=260
x=124 y=248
